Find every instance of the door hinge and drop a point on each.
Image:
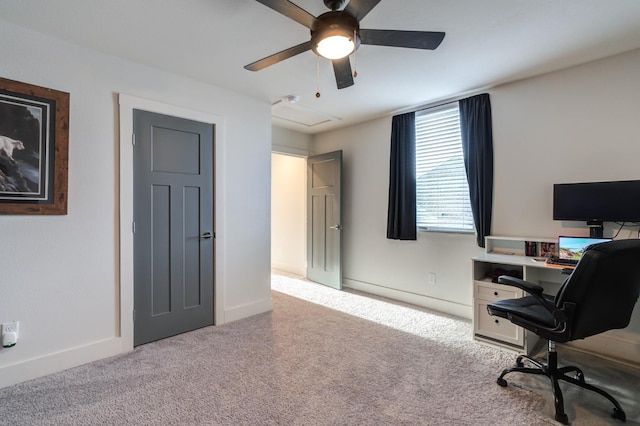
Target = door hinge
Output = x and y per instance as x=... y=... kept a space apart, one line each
x=134 y=315
x=133 y=227
x=133 y=139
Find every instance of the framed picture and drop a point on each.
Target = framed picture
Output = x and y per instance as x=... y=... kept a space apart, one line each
x=34 y=147
x=547 y=249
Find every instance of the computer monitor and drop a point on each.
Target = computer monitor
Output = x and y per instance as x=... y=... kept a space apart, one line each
x=597 y=202
x=571 y=248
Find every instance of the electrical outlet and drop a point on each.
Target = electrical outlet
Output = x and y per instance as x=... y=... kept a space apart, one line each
x=10 y=327
x=9 y=334
x=432 y=278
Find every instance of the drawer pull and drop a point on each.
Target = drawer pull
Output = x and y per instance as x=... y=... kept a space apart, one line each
x=497 y=322
x=495 y=293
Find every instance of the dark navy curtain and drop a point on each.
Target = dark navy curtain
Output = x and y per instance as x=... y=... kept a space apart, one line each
x=477 y=146
x=401 y=217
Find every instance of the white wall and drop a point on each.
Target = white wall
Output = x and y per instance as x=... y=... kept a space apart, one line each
x=288 y=213
x=576 y=125
x=579 y=124
x=59 y=274
x=288 y=141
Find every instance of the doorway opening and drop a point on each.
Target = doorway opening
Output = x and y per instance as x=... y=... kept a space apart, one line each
x=289 y=214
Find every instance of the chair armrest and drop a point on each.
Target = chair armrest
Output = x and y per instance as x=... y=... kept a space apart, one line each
x=534 y=290
x=531 y=288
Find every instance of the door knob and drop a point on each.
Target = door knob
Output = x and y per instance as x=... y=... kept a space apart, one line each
x=336 y=227
x=206 y=235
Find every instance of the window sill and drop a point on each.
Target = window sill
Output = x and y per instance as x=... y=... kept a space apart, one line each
x=447 y=231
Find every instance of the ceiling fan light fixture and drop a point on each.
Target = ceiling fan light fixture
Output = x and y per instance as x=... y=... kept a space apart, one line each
x=335 y=35
x=335 y=46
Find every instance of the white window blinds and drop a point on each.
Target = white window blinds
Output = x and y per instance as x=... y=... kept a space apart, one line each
x=442 y=191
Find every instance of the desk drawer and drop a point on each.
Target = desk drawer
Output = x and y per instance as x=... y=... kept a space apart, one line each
x=492 y=292
x=495 y=327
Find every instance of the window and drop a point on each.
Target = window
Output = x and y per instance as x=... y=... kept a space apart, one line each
x=442 y=191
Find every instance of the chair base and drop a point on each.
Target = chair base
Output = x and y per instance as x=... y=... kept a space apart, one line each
x=556 y=374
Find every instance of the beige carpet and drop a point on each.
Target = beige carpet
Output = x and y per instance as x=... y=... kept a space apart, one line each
x=339 y=359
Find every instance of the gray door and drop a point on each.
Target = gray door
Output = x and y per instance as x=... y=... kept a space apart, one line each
x=173 y=225
x=324 y=258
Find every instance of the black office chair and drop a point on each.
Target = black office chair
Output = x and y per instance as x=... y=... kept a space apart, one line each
x=599 y=295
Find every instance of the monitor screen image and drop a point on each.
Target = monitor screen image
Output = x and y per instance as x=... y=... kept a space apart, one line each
x=573 y=247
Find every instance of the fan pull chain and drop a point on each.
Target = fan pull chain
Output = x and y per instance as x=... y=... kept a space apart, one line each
x=317 y=76
x=355 y=59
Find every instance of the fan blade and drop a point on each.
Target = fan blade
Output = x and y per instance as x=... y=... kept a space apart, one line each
x=277 y=57
x=291 y=11
x=342 y=70
x=411 y=39
x=360 y=8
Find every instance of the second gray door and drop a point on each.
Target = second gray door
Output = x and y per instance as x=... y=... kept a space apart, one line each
x=173 y=226
x=324 y=241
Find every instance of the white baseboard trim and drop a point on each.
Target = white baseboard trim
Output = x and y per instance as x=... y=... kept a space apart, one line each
x=617 y=345
x=22 y=371
x=289 y=269
x=250 y=309
x=444 y=306
x=52 y=363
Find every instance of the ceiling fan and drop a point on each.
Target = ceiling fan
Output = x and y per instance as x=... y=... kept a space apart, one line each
x=336 y=34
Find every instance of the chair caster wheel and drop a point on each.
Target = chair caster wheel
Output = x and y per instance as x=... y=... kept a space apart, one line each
x=562 y=418
x=501 y=382
x=519 y=362
x=618 y=414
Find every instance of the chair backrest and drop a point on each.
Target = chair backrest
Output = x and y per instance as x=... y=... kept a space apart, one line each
x=604 y=288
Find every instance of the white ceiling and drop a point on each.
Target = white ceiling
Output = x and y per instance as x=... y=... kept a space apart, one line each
x=487 y=42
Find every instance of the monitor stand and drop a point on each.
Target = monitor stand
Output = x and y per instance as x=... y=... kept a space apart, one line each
x=596 y=228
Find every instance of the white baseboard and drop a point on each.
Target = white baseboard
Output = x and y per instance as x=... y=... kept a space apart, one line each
x=244 y=311
x=289 y=269
x=444 y=306
x=52 y=363
x=618 y=345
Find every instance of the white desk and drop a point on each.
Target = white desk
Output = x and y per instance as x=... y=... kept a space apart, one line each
x=499 y=331
x=615 y=344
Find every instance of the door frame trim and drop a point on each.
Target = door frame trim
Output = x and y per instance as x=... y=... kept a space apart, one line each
x=127 y=104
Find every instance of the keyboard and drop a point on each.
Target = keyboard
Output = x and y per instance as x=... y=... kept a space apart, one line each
x=564 y=262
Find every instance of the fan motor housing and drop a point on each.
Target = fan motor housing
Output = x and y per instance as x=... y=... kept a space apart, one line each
x=334 y=4
x=335 y=23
